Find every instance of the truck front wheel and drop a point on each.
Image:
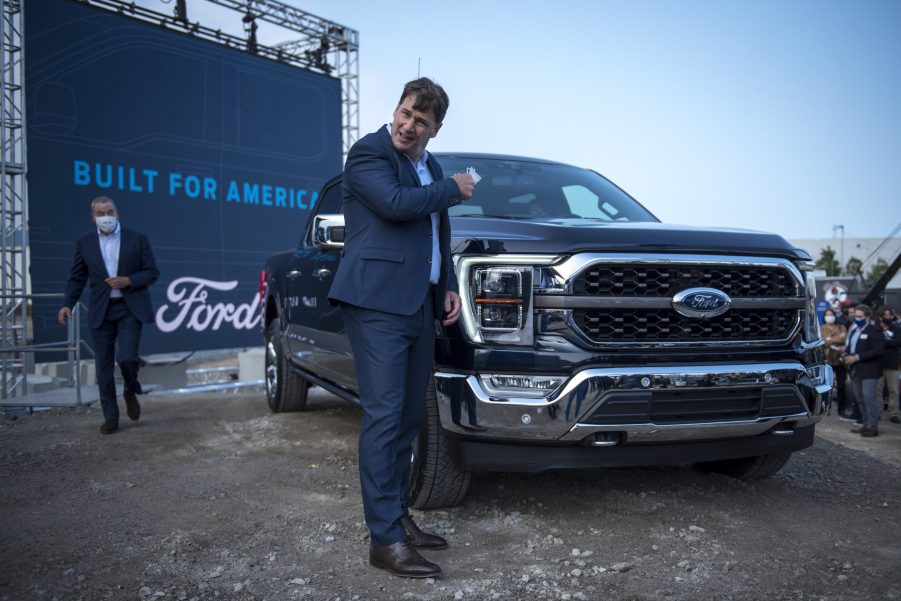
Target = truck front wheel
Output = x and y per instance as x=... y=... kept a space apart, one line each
x=285 y=391
x=747 y=468
x=436 y=477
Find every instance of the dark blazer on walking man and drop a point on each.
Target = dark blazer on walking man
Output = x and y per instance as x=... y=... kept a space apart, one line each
x=395 y=278
x=118 y=264
x=864 y=358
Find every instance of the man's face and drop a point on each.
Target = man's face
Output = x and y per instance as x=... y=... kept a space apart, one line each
x=858 y=314
x=887 y=316
x=102 y=209
x=411 y=130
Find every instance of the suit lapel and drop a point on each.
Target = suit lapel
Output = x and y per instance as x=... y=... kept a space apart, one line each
x=122 y=254
x=93 y=256
x=405 y=163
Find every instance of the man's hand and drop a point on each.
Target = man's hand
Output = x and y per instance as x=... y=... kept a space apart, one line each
x=851 y=359
x=452 y=306
x=465 y=183
x=63 y=316
x=118 y=282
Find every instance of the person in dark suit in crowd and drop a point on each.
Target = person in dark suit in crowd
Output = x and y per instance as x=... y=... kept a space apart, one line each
x=396 y=277
x=889 y=379
x=864 y=360
x=119 y=265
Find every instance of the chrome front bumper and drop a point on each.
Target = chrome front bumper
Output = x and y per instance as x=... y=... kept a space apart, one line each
x=466 y=408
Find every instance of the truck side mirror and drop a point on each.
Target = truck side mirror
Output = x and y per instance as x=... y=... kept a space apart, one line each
x=328 y=232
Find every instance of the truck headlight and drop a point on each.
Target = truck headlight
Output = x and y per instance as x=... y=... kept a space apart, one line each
x=497 y=297
x=811 y=322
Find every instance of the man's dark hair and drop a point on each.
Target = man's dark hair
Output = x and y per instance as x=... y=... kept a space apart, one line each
x=883 y=309
x=102 y=200
x=866 y=309
x=429 y=97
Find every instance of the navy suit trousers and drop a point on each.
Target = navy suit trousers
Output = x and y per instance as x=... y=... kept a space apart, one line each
x=118 y=325
x=394 y=355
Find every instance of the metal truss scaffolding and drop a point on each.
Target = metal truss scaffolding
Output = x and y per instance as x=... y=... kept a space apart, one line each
x=13 y=202
x=323 y=45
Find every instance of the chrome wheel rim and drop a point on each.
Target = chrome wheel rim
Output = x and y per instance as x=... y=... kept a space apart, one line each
x=271 y=369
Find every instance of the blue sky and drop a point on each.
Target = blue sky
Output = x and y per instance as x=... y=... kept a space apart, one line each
x=778 y=116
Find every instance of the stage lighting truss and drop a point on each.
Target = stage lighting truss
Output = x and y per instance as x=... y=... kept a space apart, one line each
x=323 y=46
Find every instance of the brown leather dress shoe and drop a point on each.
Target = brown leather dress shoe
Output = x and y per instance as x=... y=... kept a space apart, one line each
x=109 y=426
x=869 y=432
x=857 y=429
x=420 y=539
x=132 y=405
x=401 y=559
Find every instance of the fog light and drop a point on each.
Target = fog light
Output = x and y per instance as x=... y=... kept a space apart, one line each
x=820 y=375
x=503 y=385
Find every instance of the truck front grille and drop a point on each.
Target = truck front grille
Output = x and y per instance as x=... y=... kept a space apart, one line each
x=633 y=300
x=663 y=325
x=666 y=280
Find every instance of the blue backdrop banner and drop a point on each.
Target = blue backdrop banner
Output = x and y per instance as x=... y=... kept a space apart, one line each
x=215 y=154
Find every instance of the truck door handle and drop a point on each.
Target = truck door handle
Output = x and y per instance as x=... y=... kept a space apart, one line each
x=322 y=273
x=293 y=274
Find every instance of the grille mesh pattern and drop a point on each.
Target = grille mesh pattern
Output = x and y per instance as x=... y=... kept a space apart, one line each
x=655 y=325
x=667 y=280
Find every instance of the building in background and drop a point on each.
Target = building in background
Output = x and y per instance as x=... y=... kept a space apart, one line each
x=872 y=254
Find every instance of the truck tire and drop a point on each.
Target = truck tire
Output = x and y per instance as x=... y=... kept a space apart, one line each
x=436 y=478
x=747 y=468
x=285 y=390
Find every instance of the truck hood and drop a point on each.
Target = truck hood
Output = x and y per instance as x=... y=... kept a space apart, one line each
x=567 y=236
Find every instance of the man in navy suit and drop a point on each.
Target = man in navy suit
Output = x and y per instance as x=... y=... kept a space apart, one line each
x=396 y=277
x=118 y=262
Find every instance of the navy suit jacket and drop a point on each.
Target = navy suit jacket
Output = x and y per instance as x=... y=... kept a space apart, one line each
x=870 y=346
x=135 y=261
x=387 y=253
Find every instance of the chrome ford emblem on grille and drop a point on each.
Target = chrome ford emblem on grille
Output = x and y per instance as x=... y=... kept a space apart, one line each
x=701 y=303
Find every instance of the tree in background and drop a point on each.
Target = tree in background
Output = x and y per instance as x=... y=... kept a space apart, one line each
x=853 y=266
x=828 y=263
x=876 y=271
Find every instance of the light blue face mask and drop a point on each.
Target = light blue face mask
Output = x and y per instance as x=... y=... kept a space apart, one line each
x=107 y=223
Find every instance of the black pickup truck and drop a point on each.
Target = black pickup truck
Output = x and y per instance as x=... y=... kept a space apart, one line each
x=592 y=335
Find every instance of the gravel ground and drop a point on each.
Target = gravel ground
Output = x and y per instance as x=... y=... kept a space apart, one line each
x=213 y=497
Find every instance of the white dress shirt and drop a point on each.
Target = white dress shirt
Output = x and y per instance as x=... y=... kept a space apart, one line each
x=109 y=249
x=425 y=178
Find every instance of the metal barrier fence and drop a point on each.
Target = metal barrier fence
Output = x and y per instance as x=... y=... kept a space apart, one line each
x=14 y=371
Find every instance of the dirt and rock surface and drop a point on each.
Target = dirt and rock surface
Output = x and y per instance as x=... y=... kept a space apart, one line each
x=213 y=497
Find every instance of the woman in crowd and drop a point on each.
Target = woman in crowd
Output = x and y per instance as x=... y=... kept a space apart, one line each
x=863 y=358
x=834 y=336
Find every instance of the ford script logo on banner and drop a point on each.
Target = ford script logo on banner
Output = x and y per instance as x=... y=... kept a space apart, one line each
x=701 y=303
x=188 y=307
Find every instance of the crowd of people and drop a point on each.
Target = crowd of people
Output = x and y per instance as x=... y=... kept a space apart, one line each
x=862 y=348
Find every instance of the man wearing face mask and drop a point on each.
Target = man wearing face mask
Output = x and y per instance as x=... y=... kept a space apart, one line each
x=119 y=264
x=864 y=360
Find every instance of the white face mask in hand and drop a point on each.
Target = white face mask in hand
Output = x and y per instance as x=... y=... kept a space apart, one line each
x=107 y=224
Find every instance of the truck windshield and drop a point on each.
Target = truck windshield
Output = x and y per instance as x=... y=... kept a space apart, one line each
x=521 y=189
